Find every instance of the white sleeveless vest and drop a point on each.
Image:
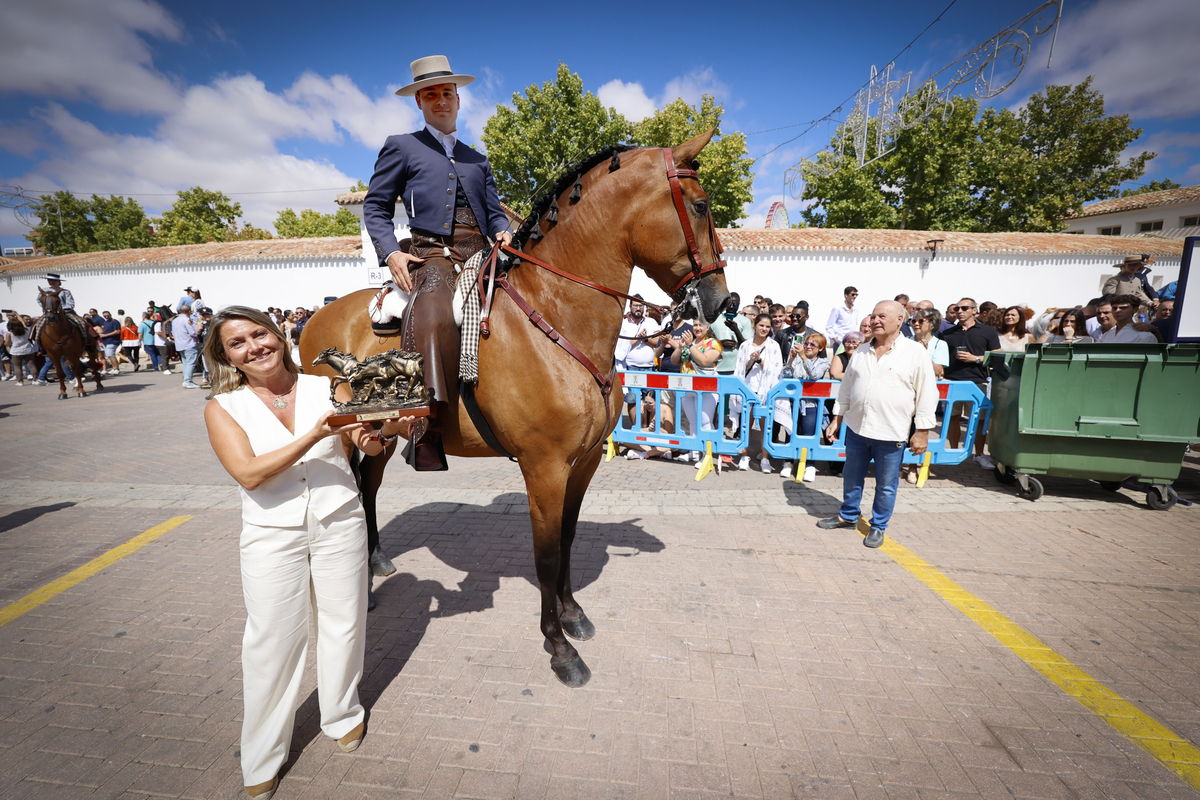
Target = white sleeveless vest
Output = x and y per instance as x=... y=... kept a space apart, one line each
x=321 y=480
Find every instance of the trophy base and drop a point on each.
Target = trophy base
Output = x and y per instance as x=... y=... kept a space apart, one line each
x=379 y=415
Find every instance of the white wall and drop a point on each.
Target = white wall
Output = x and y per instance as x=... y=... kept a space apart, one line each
x=1128 y=220
x=1036 y=281
x=286 y=284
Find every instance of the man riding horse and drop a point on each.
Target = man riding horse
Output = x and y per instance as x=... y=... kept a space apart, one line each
x=452 y=205
x=67 y=301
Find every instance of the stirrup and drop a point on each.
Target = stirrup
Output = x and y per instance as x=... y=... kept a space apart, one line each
x=389 y=328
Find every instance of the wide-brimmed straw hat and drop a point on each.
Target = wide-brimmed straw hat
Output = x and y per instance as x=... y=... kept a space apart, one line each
x=430 y=71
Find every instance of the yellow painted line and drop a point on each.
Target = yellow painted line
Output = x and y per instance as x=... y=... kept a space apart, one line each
x=78 y=576
x=1175 y=752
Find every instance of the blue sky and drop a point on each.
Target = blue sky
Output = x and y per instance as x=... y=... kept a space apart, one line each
x=283 y=105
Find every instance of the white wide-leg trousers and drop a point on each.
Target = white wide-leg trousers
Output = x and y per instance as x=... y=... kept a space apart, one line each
x=287 y=573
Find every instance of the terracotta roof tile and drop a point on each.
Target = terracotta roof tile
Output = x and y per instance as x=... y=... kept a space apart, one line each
x=1181 y=195
x=734 y=239
x=329 y=247
x=876 y=240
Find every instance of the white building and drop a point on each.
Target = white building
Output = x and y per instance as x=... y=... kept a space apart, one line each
x=1173 y=213
x=814 y=264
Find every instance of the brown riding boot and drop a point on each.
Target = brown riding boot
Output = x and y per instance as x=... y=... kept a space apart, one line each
x=425 y=451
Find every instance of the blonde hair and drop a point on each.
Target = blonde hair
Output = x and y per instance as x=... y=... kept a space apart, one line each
x=226 y=377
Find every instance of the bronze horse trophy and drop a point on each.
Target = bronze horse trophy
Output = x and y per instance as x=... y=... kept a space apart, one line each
x=619 y=208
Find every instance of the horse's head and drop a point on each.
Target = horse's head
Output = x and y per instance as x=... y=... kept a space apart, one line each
x=49 y=301
x=674 y=239
x=324 y=356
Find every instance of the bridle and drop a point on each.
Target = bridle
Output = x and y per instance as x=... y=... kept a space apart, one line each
x=686 y=287
x=698 y=268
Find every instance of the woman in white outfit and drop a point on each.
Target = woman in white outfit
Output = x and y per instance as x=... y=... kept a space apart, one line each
x=303 y=543
x=758 y=364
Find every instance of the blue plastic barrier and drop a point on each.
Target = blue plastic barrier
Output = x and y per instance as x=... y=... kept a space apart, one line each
x=691 y=391
x=800 y=448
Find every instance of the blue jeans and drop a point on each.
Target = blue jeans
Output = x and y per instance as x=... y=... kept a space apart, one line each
x=152 y=352
x=189 y=363
x=49 y=365
x=859 y=453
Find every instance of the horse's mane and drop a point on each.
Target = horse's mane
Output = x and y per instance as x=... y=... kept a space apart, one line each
x=573 y=173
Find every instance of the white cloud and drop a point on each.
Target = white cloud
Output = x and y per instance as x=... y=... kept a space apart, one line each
x=92 y=160
x=693 y=86
x=1143 y=56
x=629 y=99
x=340 y=101
x=87 y=50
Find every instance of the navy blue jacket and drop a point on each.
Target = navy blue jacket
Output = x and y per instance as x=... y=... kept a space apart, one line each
x=413 y=167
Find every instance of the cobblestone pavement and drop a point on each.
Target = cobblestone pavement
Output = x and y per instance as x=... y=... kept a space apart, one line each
x=741 y=651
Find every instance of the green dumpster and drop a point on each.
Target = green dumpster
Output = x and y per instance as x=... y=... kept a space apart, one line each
x=1103 y=412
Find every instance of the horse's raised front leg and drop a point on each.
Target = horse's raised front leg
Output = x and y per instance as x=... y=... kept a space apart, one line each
x=546 y=483
x=574 y=622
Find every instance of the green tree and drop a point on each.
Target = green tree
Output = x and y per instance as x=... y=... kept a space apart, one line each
x=102 y=223
x=1153 y=186
x=725 y=168
x=1002 y=171
x=548 y=128
x=1068 y=154
x=359 y=186
x=198 y=216
x=312 y=223
x=247 y=233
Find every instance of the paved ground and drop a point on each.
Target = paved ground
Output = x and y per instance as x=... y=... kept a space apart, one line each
x=740 y=651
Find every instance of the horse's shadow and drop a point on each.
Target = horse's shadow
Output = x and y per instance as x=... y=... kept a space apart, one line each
x=4 y=413
x=482 y=542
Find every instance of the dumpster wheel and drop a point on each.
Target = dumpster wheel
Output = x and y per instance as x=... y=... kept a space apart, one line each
x=1161 y=498
x=1035 y=490
x=1004 y=476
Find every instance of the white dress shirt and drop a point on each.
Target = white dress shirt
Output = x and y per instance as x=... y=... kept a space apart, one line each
x=446 y=140
x=880 y=395
x=1127 y=335
x=842 y=320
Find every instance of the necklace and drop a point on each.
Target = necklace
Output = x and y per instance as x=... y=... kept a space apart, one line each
x=279 y=401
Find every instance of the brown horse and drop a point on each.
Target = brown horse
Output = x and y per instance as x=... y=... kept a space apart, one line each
x=544 y=407
x=60 y=339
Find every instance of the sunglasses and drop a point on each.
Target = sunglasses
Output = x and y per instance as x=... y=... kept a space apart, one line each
x=963 y=308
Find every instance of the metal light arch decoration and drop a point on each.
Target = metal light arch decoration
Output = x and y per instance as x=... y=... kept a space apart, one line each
x=876 y=100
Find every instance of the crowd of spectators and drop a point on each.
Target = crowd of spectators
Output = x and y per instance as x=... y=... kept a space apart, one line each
x=763 y=342
x=172 y=337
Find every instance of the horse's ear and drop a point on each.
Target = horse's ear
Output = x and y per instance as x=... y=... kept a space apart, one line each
x=687 y=152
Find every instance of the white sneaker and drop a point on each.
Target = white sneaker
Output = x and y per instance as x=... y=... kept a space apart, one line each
x=984 y=462
x=631 y=455
x=765 y=466
x=810 y=474
x=744 y=463
x=167 y=372
x=190 y=385
x=20 y=383
x=786 y=472
x=42 y=383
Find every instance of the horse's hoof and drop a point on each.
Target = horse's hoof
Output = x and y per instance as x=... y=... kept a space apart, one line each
x=573 y=673
x=83 y=394
x=62 y=397
x=580 y=628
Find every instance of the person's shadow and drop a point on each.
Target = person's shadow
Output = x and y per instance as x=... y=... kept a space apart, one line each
x=485 y=544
